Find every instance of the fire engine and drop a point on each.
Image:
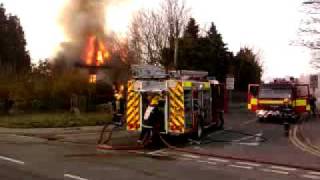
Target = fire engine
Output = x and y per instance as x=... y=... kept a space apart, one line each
x=190 y=101
x=281 y=100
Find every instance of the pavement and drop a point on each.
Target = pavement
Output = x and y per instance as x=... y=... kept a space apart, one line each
x=30 y=154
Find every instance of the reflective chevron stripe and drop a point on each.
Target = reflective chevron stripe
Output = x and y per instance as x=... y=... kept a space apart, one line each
x=176 y=108
x=133 y=108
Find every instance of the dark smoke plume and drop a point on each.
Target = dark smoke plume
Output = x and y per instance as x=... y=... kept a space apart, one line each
x=80 y=19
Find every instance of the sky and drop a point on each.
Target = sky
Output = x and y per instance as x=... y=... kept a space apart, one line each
x=267 y=26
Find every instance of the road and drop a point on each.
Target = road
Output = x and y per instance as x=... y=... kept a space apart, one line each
x=25 y=157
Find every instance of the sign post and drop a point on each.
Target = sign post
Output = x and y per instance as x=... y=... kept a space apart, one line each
x=230 y=87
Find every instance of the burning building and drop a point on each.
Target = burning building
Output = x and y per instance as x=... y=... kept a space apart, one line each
x=88 y=44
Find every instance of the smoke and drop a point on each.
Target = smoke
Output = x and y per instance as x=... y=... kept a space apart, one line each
x=81 y=19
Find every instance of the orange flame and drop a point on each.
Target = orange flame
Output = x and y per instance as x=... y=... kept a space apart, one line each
x=92 y=78
x=95 y=52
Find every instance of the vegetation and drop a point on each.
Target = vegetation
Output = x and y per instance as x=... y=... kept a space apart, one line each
x=309 y=30
x=14 y=59
x=196 y=50
x=57 y=120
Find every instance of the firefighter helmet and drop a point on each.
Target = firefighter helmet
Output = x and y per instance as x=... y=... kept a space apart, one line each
x=155 y=100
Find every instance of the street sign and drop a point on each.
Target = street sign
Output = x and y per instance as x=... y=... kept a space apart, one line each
x=230 y=83
x=314 y=81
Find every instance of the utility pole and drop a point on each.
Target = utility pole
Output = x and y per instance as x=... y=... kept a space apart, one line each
x=176 y=46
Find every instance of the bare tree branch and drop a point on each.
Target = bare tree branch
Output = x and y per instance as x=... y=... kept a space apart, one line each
x=154 y=30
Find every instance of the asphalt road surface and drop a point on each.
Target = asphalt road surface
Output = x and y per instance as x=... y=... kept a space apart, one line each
x=24 y=157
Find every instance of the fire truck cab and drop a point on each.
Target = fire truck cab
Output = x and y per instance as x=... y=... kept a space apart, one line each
x=190 y=102
x=280 y=100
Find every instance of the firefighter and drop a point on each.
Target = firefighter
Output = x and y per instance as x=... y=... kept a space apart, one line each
x=313 y=106
x=151 y=117
x=118 y=105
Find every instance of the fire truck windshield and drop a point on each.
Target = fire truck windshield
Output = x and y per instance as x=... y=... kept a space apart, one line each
x=274 y=93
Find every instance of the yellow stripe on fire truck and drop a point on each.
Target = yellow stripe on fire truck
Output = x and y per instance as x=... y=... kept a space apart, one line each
x=133 y=111
x=253 y=102
x=176 y=108
x=301 y=102
x=271 y=102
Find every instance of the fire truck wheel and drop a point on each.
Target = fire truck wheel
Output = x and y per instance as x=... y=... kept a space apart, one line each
x=220 y=123
x=199 y=133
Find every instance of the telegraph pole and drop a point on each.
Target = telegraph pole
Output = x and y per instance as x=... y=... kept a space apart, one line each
x=176 y=46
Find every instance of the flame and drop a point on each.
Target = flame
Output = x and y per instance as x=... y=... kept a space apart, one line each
x=96 y=52
x=93 y=78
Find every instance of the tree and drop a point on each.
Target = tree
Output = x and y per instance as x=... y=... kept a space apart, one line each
x=309 y=31
x=247 y=69
x=153 y=32
x=192 y=29
x=14 y=58
x=208 y=53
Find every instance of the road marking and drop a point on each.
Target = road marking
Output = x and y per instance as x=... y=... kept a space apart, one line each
x=314 y=173
x=218 y=160
x=243 y=138
x=275 y=171
x=159 y=152
x=219 y=132
x=249 y=164
x=190 y=156
x=208 y=162
x=310 y=176
x=249 y=122
x=283 y=168
x=242 y=167
x=250 y=144
x=299 y=144
x=12 y=160
x=74 y=177
x=137 y=152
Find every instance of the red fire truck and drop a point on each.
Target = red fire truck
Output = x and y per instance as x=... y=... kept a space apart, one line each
x=190 y=102
x=280 y=100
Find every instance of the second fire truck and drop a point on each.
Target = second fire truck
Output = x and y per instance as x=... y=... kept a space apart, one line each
x=280 y=100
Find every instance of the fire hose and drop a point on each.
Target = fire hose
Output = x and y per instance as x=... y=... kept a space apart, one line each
x=103 y=145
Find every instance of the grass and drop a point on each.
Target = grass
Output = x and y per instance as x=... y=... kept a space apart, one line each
x=54 y=120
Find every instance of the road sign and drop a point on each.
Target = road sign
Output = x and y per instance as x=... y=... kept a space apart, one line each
x=314 y=81
x=230 y=83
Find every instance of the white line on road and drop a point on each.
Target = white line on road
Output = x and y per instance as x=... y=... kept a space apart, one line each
x=275 y=171
x=249 y=164
x=158 y=152
x=242 y=167
x=314 y=173
x=310 y=176
x=208 y=162
x=283 y=168
x=190 y=156
x=249 y=122
x=218 y=160
x=12 y=160
x=250 y=144
x=74 y=177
